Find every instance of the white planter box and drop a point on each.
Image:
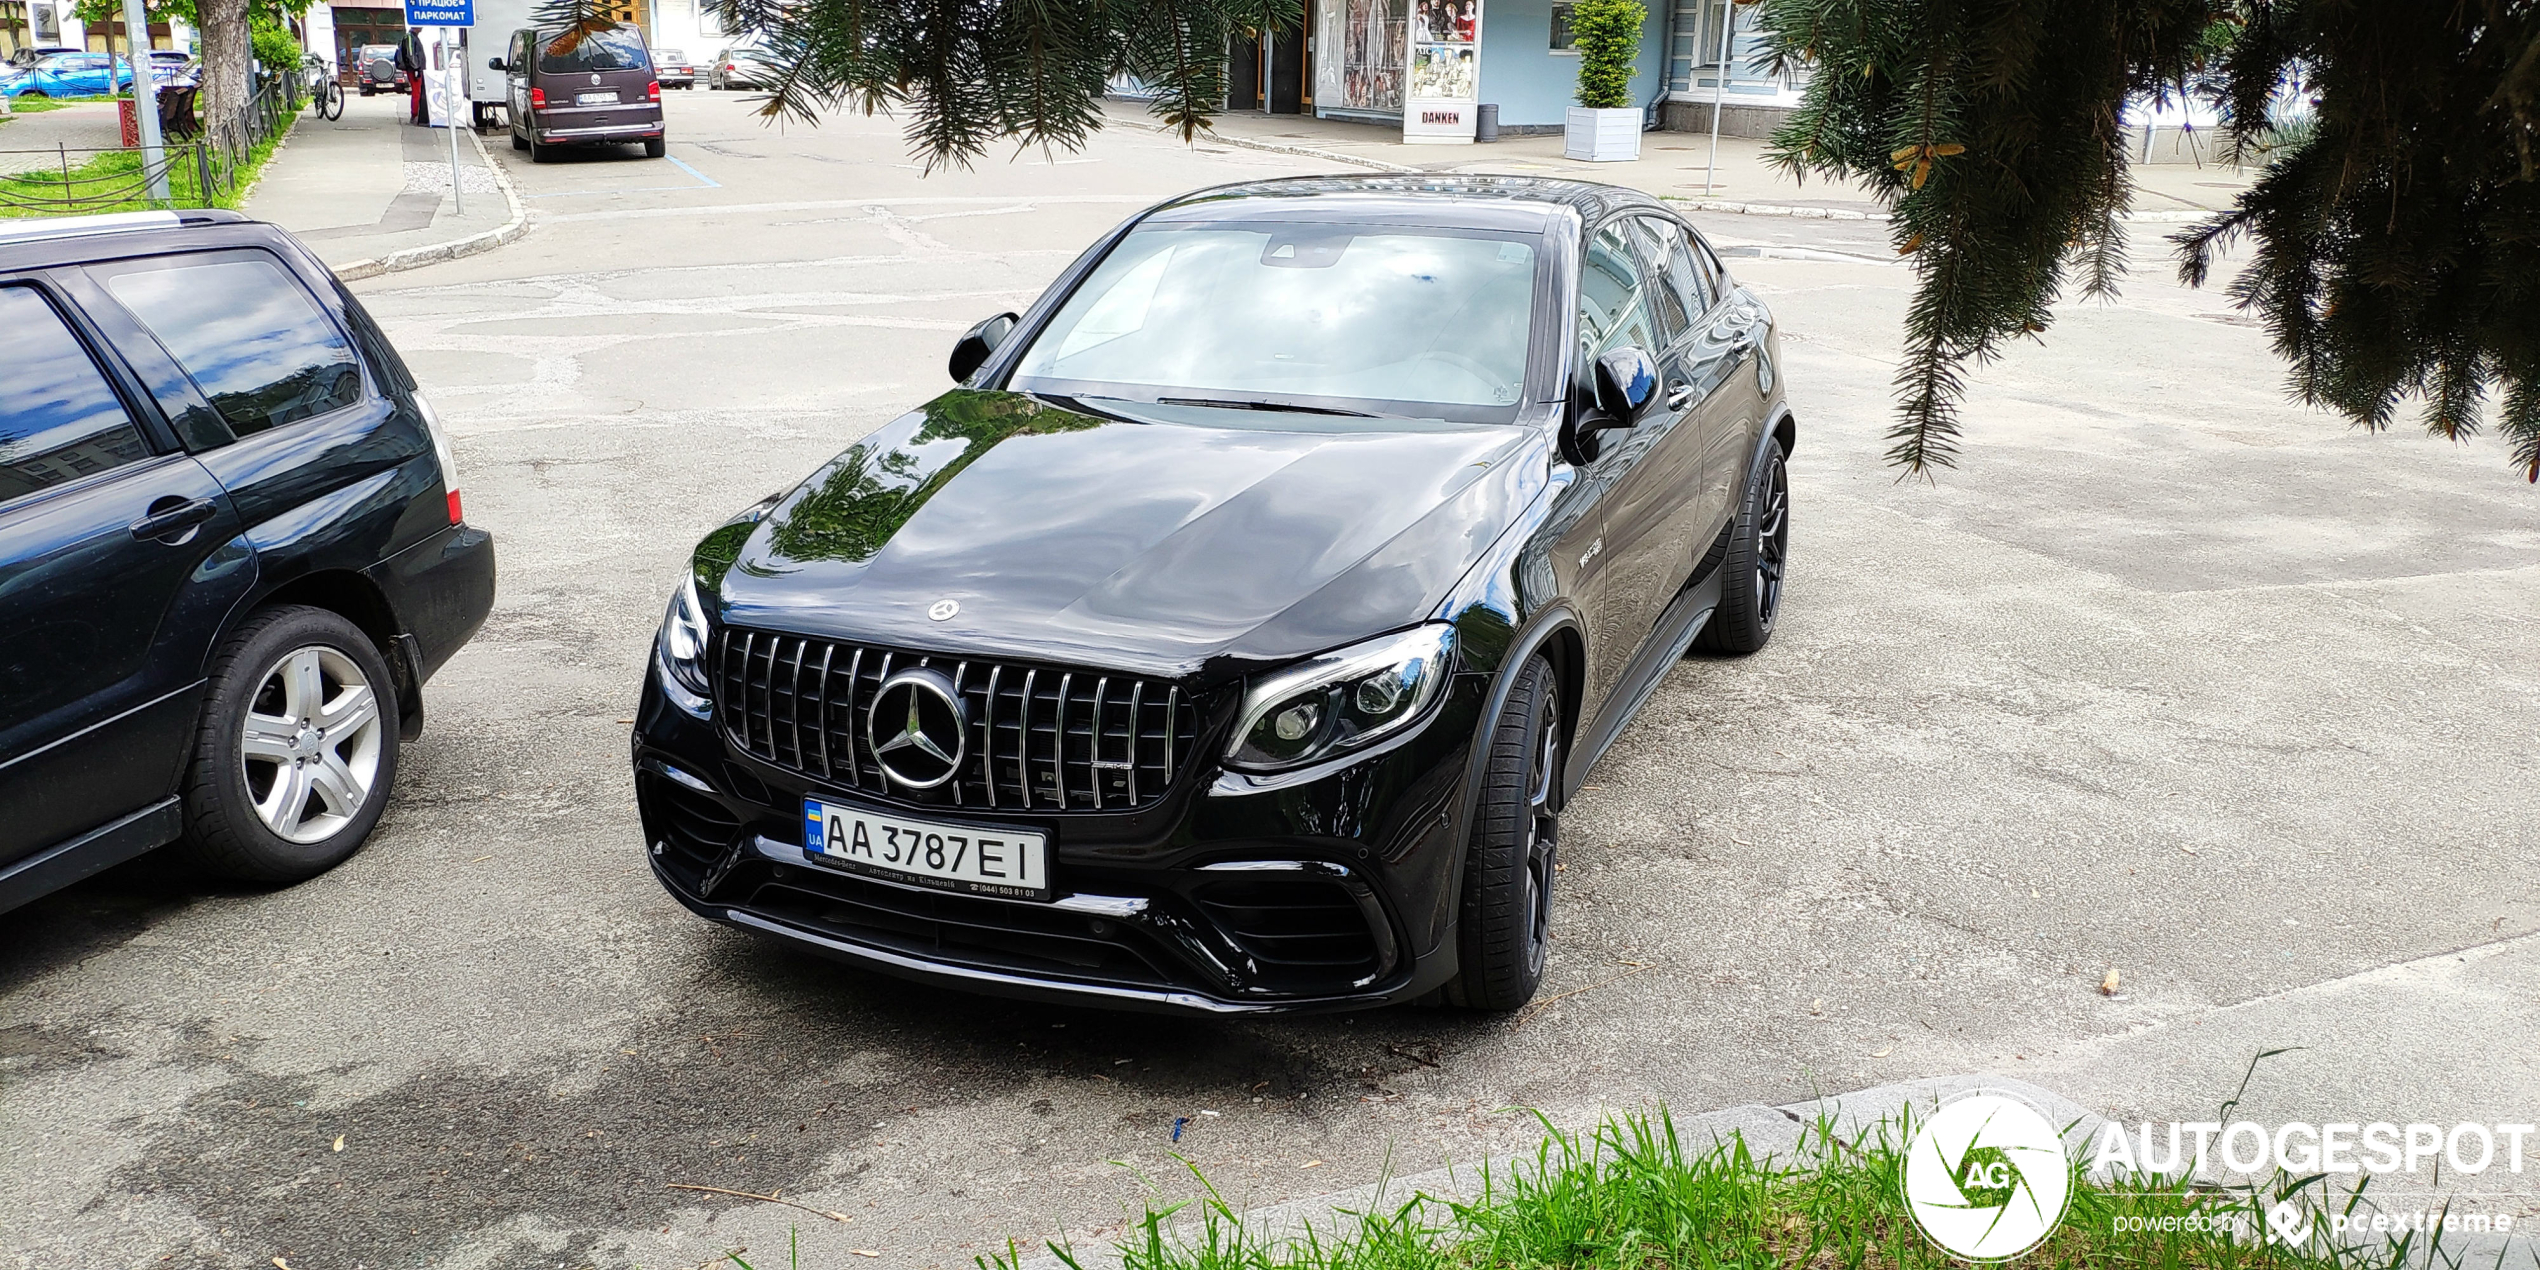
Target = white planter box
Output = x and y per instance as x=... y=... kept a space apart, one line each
x=1601 y=136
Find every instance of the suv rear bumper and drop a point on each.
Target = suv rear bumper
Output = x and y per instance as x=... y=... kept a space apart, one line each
x=440 y=590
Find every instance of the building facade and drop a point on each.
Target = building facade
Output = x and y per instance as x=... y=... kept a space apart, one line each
x=1353 y=60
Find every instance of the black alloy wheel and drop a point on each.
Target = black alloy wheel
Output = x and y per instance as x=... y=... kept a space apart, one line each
x=1505 y=928
x=1758 y=560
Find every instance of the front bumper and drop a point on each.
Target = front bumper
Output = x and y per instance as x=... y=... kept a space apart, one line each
x=1227 y=896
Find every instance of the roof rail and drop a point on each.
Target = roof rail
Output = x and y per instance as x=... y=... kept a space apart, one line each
x=38 y=230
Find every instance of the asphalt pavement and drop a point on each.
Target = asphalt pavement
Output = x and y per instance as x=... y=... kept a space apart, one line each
x=2168 y=677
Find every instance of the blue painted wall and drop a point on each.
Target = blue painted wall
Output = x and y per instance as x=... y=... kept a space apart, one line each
x=1534 y=85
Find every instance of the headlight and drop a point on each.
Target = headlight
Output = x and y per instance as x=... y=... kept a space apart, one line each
x=681 y=650
x=1341 y=701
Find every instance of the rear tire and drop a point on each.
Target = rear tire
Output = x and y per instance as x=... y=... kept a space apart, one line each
x=657 y=147
x=518 y=143
x=539 y=152
x=1504 y=926
x=296 y=751
x=1759 y=554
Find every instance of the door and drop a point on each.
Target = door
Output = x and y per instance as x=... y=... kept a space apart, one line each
x=1286 y=70
x=516 y=82
x=116 y=564
x=1649 y=534
x=1722 y=357
x=1698 y=373
x=1615 y=311
x=1243 y=72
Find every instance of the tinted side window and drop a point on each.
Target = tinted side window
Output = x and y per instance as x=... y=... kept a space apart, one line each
x=1684 y=273
x=1667 y=295
x=251 y=337
x=1613 y=307
x=59 y=421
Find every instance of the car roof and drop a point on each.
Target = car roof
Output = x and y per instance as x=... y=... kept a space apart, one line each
x=1446 y=200
x=39 y=241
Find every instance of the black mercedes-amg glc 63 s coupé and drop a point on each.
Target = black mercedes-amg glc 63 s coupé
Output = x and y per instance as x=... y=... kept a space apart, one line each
x=1231 y=638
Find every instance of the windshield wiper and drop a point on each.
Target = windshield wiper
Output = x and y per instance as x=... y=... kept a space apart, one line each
x=1231 y=404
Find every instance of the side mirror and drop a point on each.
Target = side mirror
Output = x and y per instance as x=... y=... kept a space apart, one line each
x=1620 y=384
x=495 y=64
x=1625 y=381
x=971 y=351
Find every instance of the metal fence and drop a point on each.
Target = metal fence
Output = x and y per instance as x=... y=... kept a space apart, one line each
x=200 y=173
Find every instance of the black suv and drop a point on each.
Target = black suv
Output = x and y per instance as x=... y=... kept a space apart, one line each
x=230 y=551
x=1231 y=638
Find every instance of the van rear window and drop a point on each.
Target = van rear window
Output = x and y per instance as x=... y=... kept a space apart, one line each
x=567 y=52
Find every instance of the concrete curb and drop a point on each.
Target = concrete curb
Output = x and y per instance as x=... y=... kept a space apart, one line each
x=435 y=253
x=1309 y=152
x=1766 y=1132
x=1797 y=211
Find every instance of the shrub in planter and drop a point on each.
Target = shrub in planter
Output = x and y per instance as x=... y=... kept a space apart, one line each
x=1605 y=126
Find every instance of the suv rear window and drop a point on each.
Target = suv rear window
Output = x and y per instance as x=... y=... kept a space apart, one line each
x=565 y=53
x=58 y=419
x=251 y=337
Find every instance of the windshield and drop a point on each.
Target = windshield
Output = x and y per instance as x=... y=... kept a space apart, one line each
x=619 y=49
x=1429 y=323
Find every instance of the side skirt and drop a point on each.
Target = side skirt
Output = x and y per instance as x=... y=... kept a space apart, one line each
x=1676 y=628
x=90 y=853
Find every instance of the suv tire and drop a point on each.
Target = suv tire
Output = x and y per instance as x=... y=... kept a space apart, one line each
x=656 y=147
x=1759 y=551
x=266 y=802
x=1504 y=928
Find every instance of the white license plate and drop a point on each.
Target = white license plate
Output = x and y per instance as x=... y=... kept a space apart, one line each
x=1010 y=863
x=596 y=99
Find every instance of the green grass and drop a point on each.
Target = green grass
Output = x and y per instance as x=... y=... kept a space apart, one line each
x=112 y=182
x=34 y=105
x=1632 y=1195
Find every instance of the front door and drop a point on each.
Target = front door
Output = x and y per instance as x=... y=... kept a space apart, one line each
x=116 y=560
x=1286 y=70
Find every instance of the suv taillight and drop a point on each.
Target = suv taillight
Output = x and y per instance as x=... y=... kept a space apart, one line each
x=440 y=451
x=537 y=99
x=652 y=91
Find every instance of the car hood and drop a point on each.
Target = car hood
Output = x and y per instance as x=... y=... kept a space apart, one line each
x=1184 y=542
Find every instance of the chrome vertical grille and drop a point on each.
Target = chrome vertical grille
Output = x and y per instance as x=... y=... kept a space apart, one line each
x=1042 y=738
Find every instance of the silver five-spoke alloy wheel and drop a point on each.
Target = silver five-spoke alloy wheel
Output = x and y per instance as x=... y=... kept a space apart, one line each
x=310 y=744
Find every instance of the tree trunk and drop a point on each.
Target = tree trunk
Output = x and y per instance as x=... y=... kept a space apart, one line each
x=227 y=54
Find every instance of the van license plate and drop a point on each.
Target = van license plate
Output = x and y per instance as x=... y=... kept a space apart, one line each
x=596 y=99
x=1008 y=863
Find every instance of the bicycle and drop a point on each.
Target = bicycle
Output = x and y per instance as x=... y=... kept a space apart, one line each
x=326 y=96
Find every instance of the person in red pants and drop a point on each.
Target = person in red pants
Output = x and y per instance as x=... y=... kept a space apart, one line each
x=410 y=60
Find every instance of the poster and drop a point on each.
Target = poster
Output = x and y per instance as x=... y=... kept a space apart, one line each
x=1445 y=75
x=1366 y=76
x=48 y=25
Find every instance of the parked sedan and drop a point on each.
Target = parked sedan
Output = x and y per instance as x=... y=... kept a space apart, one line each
x=72 y=75
x=672 y=67
x=1231 y=639
x=231 y=550
x=739 y=66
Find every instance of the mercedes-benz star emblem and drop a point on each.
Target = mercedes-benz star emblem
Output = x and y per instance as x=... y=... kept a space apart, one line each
x=918 y=728
x=942 y=609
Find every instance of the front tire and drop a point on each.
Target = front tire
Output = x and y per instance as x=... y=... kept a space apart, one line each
x=296 y=751
x=1759 y=554
x=1504 y=928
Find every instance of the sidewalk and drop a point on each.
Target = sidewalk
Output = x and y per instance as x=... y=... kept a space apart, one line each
x=27 y=140
x=1672 y=165
x=370 y=185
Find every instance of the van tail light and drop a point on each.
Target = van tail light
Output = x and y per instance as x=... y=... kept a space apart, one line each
x=652 y=91
x=537 y=99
